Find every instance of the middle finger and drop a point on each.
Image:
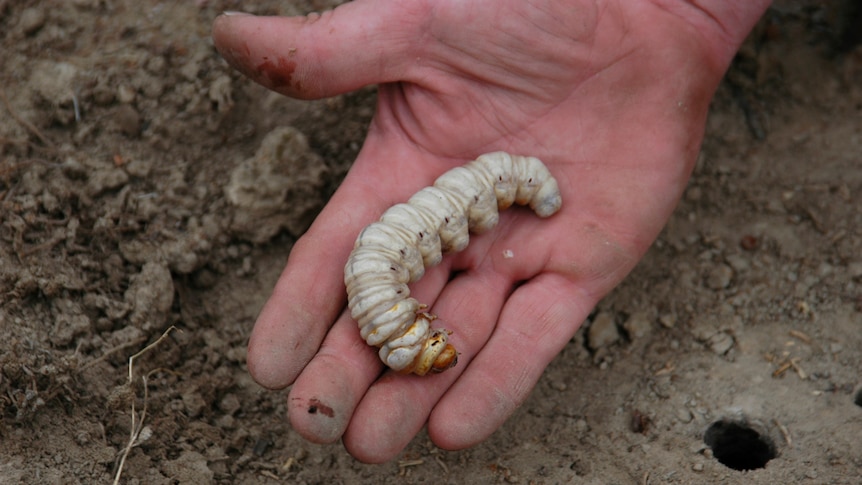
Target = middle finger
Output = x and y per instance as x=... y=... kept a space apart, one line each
x=397 y=406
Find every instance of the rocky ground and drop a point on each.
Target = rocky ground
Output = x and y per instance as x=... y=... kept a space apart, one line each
x=131 y=155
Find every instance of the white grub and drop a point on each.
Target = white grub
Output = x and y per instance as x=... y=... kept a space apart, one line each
x=409 y=237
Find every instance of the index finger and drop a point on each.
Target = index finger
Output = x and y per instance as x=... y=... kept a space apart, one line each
x=310 y=292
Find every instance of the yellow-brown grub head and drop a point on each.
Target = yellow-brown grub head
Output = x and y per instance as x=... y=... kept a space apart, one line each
x=446 y=360
x=437 y=355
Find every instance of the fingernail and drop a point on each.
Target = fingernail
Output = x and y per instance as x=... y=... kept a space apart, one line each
x=232 y=13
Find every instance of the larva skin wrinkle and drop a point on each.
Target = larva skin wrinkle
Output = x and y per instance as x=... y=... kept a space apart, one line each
x=409 y=237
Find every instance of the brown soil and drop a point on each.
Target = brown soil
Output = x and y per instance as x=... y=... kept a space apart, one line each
x=132 y=159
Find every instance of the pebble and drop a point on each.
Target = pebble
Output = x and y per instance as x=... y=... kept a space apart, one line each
x=638 y=325
x=603 y=331
x=720 y=343
x=684 y=415
x=220 y=92
x=581 y=426
x=139 y=168
x=719 y=277
x=126 y=93
x=738 y=262
x=31 y=20
x=558 y=385
x=668 y=320
x=697 y=447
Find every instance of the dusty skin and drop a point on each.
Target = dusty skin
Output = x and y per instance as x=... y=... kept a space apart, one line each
x=132 y=158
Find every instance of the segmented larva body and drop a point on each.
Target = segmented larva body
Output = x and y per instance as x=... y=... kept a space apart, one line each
x=395 y=251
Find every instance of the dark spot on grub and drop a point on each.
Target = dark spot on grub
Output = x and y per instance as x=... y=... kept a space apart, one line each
x=278 y=74
x=315 y=406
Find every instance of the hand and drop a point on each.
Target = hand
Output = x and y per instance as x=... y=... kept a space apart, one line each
x=612 y=96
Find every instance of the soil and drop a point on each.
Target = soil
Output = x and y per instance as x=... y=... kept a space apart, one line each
x=132 y=160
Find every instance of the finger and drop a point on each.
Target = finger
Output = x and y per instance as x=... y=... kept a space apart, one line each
x=537 y=321
x=357 y=44
x=397 y=406
x=310 y=294
x=325 y=395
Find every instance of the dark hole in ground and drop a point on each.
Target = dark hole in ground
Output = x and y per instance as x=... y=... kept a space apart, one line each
x=857 y=399
x=738 y=446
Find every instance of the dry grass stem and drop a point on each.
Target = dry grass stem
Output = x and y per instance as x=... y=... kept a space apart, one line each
x=137 y=423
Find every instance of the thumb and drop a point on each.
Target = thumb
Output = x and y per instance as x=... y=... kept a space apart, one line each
x=320 y=55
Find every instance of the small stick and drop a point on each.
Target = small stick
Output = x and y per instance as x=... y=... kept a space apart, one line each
x=109 y=352
x=269 y=474
x=442 y=464
x=800 y=335
x=784 y=432
x=795 y=364
x=76 y=106
x=139 y=425
x=782 y=369
x=404 y=465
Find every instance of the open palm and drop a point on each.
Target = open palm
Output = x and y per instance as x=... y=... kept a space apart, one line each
x=612 y=96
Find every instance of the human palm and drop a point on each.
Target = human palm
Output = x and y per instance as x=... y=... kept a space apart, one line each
x=612 y=96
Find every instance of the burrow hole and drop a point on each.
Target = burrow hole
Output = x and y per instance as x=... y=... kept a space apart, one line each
x=738 y=446
x=857 y=398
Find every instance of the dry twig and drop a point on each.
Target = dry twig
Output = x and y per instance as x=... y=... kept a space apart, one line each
x=137 y=423
x=109 y=353
x=784 y=433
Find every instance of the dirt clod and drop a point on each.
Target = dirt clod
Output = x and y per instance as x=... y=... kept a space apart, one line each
x=279 y=188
